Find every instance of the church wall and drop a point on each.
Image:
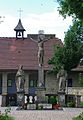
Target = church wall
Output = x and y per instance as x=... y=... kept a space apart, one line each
x=51 y=83
x=75 y=79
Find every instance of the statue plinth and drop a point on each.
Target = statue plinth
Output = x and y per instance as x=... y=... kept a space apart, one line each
x=61 y=98
x=40 y=91
x=20 y=97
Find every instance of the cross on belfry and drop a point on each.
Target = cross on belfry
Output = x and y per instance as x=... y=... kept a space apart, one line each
x=20 y=11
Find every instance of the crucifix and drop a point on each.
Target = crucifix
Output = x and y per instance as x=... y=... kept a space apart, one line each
x=40 y=42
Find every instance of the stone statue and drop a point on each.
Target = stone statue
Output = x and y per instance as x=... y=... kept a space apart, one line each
x=62 y=76
x=40 y=41
x=20 y=79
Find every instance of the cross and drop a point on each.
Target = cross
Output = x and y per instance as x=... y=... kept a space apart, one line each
x=20 y=12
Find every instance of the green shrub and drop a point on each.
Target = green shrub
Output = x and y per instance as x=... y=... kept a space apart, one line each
x=80 y=117
x=5 y=116
x=40 y=107
x=81 y=104
x=46 y=99
x=53 y=100
x=71 y=104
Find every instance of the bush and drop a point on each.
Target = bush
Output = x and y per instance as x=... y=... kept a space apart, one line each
x=40 y=107
x=80 y=117
x=81 y=104
x=53 y=100
x=71 y=104
x=5 y=116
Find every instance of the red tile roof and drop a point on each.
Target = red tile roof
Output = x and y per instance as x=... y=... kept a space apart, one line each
x=79 y=68
x=15 y=52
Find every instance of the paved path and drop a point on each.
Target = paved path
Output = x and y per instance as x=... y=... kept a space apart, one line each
x=65 y=114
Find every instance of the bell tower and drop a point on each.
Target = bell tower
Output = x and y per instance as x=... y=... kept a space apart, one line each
x=19 y=30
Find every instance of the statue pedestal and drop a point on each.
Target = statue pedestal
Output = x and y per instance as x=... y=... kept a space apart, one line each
x=78 y=99
x=4 y=97
x=20 y=98
x=61 y=98
x=40 y=91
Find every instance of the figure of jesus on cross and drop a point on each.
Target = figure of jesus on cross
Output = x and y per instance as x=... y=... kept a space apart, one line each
x=40 y=41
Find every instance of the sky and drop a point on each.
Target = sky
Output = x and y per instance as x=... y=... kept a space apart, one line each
x=36 y=15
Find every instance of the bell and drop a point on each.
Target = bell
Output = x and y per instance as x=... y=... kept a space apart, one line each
x=19 y=34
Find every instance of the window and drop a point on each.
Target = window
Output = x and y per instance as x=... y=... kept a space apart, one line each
x=70 y=82
x=10 y=79
x=33 y=80
x=9 y=83
x=31 y=83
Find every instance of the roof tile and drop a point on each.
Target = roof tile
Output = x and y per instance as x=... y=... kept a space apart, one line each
x=15 y=52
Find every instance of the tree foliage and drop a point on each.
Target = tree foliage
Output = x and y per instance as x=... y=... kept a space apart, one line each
x=57 y=59
x=71 y=8
x=70 y=54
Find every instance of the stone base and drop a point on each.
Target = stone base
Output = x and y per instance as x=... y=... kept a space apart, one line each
x=31 y=106
x=20 y=98
x=61 y=98
x=40 y=91
x=3 y=100
x=45 y=106
x=78 y=99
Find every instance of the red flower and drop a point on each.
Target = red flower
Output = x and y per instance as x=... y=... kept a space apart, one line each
x=56 y=106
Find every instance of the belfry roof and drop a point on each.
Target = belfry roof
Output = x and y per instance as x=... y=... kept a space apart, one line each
x=19 y=26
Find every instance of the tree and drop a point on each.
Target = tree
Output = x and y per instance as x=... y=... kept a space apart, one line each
x=70 y=54
x=71 y=8
x=73 y=45
x=57 y=59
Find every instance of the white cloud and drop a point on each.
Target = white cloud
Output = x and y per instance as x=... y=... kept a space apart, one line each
x=51 y=23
